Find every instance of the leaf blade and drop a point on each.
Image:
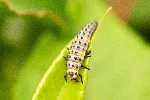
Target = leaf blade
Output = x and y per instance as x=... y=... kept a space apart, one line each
x=63 y=88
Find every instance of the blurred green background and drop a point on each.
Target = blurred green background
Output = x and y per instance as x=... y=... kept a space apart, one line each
x=33 y=32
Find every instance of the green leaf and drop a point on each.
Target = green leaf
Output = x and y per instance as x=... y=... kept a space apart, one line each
x=49 y=44
x=65 y=91
x=53 y=85
x=120 y=58
x=119 y=64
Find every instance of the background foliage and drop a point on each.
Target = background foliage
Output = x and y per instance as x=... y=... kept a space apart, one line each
x=33 y=33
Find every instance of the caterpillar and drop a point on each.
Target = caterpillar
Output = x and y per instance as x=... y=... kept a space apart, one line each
x=78 y=52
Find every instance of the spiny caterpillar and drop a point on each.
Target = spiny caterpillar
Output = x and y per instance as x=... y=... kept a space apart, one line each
x=78 y=52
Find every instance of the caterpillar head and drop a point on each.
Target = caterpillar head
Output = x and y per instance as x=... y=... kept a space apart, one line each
x=73 y=74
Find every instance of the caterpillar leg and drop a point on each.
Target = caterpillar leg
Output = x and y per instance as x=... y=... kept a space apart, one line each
x=65 y=76
x=65 y=58
x=85 y=67
x=81 y=78
x=68 y=49
x=87 y=54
